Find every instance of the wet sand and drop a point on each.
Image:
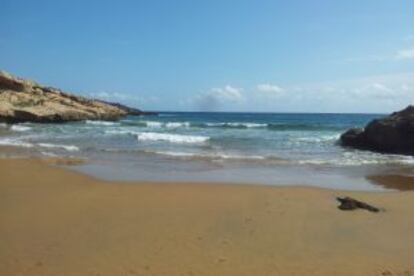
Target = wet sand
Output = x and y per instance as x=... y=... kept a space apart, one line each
x=59 y=222
x=394 y=181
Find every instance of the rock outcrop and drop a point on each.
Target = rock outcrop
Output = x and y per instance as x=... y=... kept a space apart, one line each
x=27 y=101
x=391 y=134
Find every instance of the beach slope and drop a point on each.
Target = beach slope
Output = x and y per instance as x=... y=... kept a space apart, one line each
x=58 y=222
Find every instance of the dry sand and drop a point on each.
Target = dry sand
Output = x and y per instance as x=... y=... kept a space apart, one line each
x=58 y=222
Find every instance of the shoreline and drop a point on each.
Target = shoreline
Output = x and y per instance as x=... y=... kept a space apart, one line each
x=388 y=182
x=56 y=221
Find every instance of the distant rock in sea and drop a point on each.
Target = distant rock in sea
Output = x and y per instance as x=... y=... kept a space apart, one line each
x=391 y=134
x=27 y=101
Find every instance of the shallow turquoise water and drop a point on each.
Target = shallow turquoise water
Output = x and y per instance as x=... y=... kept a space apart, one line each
x=231 y=147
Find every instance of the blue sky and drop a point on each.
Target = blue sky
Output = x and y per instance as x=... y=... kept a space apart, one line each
x=228 y=55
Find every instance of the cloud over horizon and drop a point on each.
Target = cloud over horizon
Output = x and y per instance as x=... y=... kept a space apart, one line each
x=374 y=94
x=214 y=99
x=269 y=89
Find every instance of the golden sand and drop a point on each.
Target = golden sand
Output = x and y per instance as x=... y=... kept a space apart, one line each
x=58 y=222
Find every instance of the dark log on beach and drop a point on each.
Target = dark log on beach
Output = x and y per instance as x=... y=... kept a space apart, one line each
x=349 y=204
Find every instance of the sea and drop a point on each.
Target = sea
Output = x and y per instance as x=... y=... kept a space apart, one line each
x=214 y=147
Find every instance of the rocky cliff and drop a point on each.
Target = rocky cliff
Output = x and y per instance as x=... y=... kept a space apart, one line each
x=391 y=134
x=27 y=101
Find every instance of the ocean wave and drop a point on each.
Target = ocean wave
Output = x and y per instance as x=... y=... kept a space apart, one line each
x=153 y=124
x=346 y=160
x=20 y=128
x=233 y=125
x=57 y=146
x=49 y=154
x=120 y=132
x=3 y=125
x=209 y=155
x=320 y=139
x=15 y=143
x=177 y=124
x=101 y=123
x=358 y=158
x=302 y=127
x=269 y=126
x=172 y=138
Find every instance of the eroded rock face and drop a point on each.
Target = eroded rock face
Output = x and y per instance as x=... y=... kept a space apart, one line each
x=391 y=134
x=26 y=101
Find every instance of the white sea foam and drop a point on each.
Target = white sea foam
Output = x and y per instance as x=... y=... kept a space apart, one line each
x=237 y=125
x=3 y=125
x=240 y=157
x=15 y=143
x=174 y=153
x=177 y=124
x=57 y=146
x=211 y=155
x=49 y=154
x=319 y=139
x=172 y=138
x=153 y=124
x=248 y=125
x=20 y=128
x=101 y=123
x=122 y=132
x=361 y=158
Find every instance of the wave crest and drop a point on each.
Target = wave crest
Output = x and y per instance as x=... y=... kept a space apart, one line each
x=20 y=128
x=172 y=138
x=57 y=146
x=101 y=123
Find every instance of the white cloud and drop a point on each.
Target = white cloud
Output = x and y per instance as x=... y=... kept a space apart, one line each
x=375 y=94
x=371 y=94
x=216 y=97
x=227 y=93
x=269 y=89
x=375 y=91
x=405 y=54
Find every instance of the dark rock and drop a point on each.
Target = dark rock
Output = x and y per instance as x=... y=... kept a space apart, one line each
x=391 y=134
x=353 y=137
x=348 y=203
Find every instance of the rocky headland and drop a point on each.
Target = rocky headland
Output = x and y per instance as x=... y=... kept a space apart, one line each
x=24 y=100
x=391 y=134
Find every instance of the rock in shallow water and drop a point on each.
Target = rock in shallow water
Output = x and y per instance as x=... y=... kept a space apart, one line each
x=391 y=134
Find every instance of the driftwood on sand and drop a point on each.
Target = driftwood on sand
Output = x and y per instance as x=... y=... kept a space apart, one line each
x=348 y=204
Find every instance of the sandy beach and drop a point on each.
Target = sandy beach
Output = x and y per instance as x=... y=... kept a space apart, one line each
x=58 y=222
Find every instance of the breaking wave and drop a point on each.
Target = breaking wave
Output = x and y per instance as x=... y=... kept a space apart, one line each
x=20 y=128
x=172 y=138
x=101 y=123
x=57 y=146
x=15 y=143
x=233 y=125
